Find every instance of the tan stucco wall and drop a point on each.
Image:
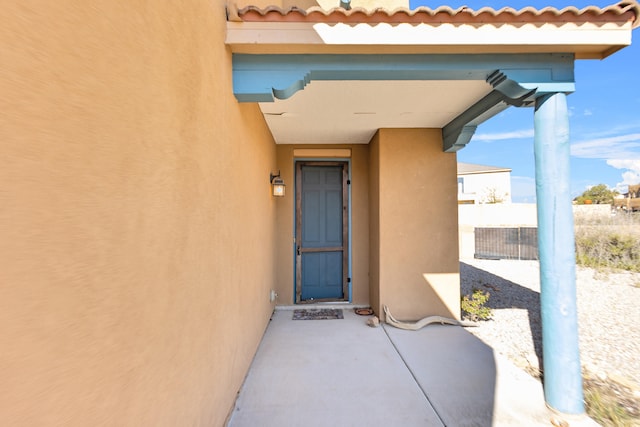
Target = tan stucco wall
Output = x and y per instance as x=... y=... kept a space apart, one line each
x=136 y=222
x=359 y=219
x=414 y=257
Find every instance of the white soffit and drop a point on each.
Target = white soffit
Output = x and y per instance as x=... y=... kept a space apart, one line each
x=337 y=112
x=587 y=40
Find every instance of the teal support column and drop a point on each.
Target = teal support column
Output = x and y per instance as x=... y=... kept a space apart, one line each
x=561 y=357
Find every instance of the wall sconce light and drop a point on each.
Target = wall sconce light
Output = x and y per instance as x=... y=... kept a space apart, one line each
x=277 y=185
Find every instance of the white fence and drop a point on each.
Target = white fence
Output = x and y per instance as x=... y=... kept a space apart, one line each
x=511 y=215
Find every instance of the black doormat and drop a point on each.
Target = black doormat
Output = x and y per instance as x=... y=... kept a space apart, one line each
x=318 y=314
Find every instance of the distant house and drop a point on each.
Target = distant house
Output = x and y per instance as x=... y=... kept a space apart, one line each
x=630 y=201
x=483 y=184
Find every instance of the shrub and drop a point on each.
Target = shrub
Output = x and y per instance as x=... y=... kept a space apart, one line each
x=597 y=194
x=473 y=306
x=602 y=248
x=610 y=403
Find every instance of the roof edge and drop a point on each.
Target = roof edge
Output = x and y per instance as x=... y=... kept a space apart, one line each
x=624 y=11
x=475 y=168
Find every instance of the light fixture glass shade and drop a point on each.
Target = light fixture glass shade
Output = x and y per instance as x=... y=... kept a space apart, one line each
x=278 y=187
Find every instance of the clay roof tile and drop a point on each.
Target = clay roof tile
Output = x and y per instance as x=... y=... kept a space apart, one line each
x=628 y=10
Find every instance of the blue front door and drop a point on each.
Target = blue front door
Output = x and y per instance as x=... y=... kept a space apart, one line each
x=321 y=231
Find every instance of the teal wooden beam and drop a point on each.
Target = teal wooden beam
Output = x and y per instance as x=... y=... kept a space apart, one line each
x=457 y=133
x=456 y=138
x=561 y=357
x=264 y=78
x=514 y=77
x=502 y=82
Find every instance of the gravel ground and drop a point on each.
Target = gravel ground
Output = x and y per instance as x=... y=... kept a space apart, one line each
x=608 y=313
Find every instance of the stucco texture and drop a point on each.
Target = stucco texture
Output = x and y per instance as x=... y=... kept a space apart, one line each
x=359 y=168
x=404 y=223
x=136 y=221
x=414 y=245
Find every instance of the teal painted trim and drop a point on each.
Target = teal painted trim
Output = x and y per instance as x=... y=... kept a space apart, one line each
x=262 y=78
x=293 y=248
x=562 y=373
x=350 y=287
x=457 y=133
x=550 y=88
x=249 y=87
x=515 y=83
x=293 y=231
x=505 y=85
x=458 y=139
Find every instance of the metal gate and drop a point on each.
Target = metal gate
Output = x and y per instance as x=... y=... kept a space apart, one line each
x=506 y=243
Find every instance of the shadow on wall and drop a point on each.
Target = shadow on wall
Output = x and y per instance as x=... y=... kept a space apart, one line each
x=505 y=294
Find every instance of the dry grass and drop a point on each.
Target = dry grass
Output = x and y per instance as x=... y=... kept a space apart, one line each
x=611 y=403
x=609 y=242
x=608 y=402
x=615 y=219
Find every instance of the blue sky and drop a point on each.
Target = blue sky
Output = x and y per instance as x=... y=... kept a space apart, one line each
x=604 y=119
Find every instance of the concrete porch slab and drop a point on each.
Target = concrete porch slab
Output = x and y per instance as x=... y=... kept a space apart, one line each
x=466 y=382
x=329 y=372
x=344 y=373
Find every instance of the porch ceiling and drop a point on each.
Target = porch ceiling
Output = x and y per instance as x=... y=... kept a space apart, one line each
x=340 y=112
x=437 y=68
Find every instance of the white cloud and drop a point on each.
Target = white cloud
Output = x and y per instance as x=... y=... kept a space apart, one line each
x=616 y=129
x=631 y=174
x=623 y=187
x=620 y=151
x=588 y=112
x=632 y=164
x=630 y=177
x=518 y=134
x=615 y=147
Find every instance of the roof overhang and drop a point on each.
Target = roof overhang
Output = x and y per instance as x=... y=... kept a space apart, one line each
x=589 y=33
x=586 y=41
x=451 y=92
x=474 y=169
x=364 y=106
x=442 y=68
